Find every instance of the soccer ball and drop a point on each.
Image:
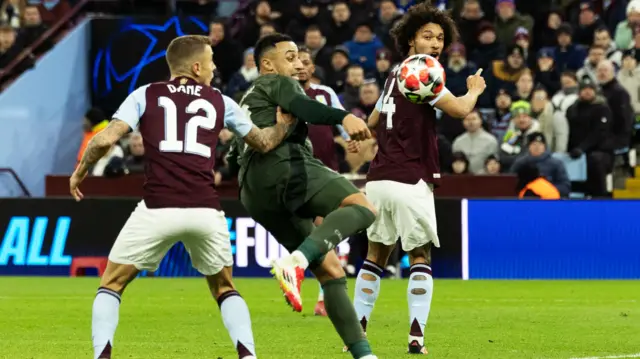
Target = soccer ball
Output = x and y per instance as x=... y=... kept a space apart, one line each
x=420 y=78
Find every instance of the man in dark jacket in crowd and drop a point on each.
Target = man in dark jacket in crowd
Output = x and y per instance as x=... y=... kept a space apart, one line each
x=589 y=130
x=567 y=55
x=619 y=101
x=458 y=69
x=551 y=168
x=308 y=15
x=227 y=54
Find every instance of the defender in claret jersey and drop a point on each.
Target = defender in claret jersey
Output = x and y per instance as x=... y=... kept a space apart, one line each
x=285 y=189
x=179 y=120
x=405 y=171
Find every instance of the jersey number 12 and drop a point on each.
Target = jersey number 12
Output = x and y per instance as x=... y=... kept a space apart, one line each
x=190 y=143
x=388 y=107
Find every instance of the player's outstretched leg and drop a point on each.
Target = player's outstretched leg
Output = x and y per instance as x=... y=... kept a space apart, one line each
x=106 y=307
x=419 y=295
x=235 y=313
x=339 y=308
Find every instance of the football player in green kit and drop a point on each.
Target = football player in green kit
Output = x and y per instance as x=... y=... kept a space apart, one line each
x=286 y=188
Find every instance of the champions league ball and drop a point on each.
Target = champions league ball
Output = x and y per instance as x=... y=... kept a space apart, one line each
x=420 y=78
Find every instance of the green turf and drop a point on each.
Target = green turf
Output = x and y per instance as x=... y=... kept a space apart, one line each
x=175 y=318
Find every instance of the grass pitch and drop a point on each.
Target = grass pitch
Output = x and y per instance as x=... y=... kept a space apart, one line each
x=176 y=318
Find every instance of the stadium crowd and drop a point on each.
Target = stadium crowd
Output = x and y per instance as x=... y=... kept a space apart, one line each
x=563 y=78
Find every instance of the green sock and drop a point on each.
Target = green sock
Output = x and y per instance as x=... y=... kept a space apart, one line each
x=338 y=225
x=343 y=316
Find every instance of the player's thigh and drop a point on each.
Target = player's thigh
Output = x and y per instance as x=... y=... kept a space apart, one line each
x=207 y=240
x=145 y=238
x=289 y=230
x=328 y=197
x=417 y=225
x=383 y=231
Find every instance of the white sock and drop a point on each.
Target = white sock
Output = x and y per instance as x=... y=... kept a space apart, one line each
x=419 y=294
x=237 y=320
x=366 y=292
x=300 y=259
x=106 y=311
x=320 y=293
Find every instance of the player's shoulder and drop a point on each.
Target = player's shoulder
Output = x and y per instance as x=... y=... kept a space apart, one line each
x=324 y=88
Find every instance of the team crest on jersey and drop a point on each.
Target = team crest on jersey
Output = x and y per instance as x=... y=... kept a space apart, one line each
x=183 y=81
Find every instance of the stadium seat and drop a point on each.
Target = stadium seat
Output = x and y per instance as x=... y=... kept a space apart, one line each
x=79 y=265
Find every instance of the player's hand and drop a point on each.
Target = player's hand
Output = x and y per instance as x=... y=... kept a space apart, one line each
x=475 y=83
x=353 y=146
x=284 y=118
x=356 y=128
x=74 y=183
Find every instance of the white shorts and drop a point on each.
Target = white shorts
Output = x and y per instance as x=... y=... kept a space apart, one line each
x=150 y=233
x=404 y=210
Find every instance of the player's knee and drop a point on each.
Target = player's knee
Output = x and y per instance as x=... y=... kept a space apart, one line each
x=360 y=201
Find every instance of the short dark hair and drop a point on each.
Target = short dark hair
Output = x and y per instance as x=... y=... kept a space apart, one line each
x=571 y=74
x=313 y=27
x=602 y=29
x=419 y=15
x=267 y=43
x=597 y=47
x=303 y=48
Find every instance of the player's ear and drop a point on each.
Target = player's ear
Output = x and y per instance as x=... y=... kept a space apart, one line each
x=412 y=43
x=196 y=68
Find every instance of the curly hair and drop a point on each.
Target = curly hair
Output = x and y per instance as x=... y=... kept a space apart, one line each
x=419 y=15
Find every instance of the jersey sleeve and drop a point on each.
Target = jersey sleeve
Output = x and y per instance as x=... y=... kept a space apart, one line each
x=335 y=101
x=379 y=103
x=439 y=97
x=133 y=107
x=235 y=118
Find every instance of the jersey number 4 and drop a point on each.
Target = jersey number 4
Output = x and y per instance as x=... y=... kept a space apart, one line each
x=190 y=143
x=388 y=107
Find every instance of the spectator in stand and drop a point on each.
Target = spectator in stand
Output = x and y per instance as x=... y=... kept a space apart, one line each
x=492 y=166
x=524 y=86
x=317 y=45
x=9 y=49
x=350 y=97
x=489 y=49
x=251 y=29
x=567 y=55
x=554 y=128
x=134 y=161
x=546 y=35
x=509 y=20
x=93 y=122
x=596 y=55
x=242 y=80
x=619 y=101
x=614 y=12
x=460 y=164
x=388 y=11
x=361 y=10
x=363 y=47
x=339 y=29
x=547 y=74
x=566 y=97
x=629 y=78
x=52 y=11
x=11 y=12
x=588 y=22
x=523 y=40
x=470 y=19
x=602 y=38
x=551 y=168
x=531 y=184
x=227 y=54
x=504 y=74
x=267 y=29
x=383 y=66
x=476 y=143
x=624 y=30
x=336 y=74
x=458 y=69
x=308 y=15
x=369 y=95
x=589 y=133
x=33 y=29
x=500 y=123
x=516 y=137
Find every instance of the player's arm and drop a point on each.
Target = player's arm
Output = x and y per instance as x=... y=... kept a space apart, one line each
x=460 y=107
x=374 y=117
x=335 y=103
x=262 y=140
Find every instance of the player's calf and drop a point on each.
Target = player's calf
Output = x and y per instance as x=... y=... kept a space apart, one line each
x=419 y=295
x=106 y=307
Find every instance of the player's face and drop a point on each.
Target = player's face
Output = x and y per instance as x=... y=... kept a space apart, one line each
x=308 y=68
x=429 y=40
x=204 y=67
x=284 y=60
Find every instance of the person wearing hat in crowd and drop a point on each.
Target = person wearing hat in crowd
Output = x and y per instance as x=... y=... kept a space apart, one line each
x=624 y=31
x=602 y=38
x=509 y=20
x=515 y=139
x=363 y=47
x=522 y=39
x=308 y=14
x=589 y=131
x=551 y=168
x=567 y=55
x=488 y=48
x=336 y=74
x=546 y=73
x=588 y=22
x=383 y=66
x=504 y=74
x=458 y=69
x=531 y=184
x=242 y=80
x=629 y=78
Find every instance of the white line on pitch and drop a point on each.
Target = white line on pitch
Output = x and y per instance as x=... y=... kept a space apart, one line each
x=636 y=355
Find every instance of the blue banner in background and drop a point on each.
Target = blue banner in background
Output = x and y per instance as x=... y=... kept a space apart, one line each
x=512 y=239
